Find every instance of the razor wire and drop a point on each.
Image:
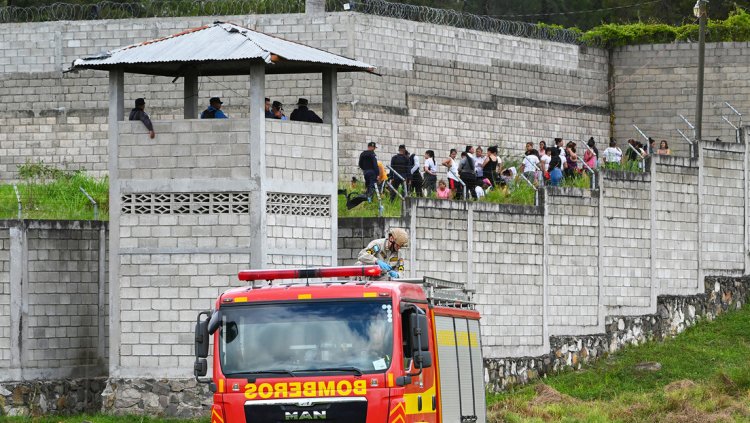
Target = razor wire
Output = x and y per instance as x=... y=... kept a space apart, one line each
x=456 y=18
x=179 y=8
x=147 y=9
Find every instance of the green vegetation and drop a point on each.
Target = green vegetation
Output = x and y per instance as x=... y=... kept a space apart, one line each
x=735 y=28
x=51 y=193
x=99 y=419
x=705 y=376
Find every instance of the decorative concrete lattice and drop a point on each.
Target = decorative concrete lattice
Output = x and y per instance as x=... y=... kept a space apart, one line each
x=186 y=203
x=298 y=204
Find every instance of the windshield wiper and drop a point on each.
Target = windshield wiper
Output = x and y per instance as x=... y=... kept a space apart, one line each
x=252 y=376
x=357 y=371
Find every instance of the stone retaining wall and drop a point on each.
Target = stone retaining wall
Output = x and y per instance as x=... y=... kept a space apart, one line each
x=674 y=315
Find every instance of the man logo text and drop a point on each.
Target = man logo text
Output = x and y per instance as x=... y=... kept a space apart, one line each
x=305 y=415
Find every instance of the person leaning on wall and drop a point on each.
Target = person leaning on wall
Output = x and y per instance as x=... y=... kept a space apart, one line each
x=139 y=113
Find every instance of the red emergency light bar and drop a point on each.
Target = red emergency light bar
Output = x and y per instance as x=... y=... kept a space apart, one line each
x=321 y=272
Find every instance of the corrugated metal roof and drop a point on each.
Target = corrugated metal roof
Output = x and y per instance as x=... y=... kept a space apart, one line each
x=220 y=42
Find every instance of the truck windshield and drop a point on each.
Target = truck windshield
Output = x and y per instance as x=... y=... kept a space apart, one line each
x=289 y=338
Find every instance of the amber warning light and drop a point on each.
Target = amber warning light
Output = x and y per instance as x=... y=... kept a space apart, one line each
x=321 y=272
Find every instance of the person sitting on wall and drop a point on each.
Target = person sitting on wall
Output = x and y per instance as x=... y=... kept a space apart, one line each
x=303 y=114
x=139 y=113
x=269 y=112
x=277 y=110
x=214 y=110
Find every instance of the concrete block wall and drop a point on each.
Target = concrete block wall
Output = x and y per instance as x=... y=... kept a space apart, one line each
x=676 y=230
x=573 y=260
x=297 y=148
x=545 y=85
x=191 y=213
x=355 y=233
x=433 y=95
x=5 y=306
x=184 y=230
x=215 y=149
x=505 y=269
x=723 y=204
x=53 y=308
x=62 y=325
x=653 y=83
x=496 y=250
x=626 y=243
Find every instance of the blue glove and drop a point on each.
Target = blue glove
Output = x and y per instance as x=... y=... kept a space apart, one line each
x=384 y=266
x=393 y=274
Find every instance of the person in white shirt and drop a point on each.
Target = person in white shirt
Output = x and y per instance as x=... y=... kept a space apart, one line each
x=559 y=144
x=430 y=172
x=612 y=154
x=452 y=166
x=530 y=165
x=479 y=162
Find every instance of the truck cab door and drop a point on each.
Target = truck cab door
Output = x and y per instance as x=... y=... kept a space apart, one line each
x=420 y=397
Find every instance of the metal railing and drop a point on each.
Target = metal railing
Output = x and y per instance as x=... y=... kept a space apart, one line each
x=645 y=137
x=403 y=183
x=638 y=156
x=536 y=190
x=587 y=167
x=93 y=203
x=686 y=138
x=450 y=171
x=735 y=127
x=18 y=201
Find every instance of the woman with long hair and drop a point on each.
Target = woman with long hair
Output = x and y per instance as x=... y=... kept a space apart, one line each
x=430 y=172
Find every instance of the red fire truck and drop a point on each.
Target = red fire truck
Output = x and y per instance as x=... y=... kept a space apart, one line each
x=349 y=349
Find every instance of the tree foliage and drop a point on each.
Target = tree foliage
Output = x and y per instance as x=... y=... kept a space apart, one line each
x=586 y=14
x=735 y=28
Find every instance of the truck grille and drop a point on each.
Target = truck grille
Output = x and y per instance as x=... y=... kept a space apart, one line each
x=341 y=410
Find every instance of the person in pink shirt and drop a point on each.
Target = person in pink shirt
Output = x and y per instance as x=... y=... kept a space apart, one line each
x=443 y=191
x=591 y=155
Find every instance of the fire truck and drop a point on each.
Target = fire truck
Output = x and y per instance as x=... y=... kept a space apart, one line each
x=346 y=349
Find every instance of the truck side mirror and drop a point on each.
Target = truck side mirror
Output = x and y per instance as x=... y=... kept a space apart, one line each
x=420 y=340
x=214 y=322
x=201 y=337
x=200 y=368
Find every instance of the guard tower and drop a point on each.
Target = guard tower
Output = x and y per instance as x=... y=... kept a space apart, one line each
x=209 y=196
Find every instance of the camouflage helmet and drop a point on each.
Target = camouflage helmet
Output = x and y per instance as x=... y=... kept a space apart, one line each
x=400 y=237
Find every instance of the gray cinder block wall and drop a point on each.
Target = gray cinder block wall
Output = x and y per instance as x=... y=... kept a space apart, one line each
x=583 y=258
x=186 y=215
x=655 y=83
x=441 y=87
x=432 y=93
x=53 y=300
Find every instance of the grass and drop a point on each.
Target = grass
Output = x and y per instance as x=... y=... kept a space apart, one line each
x=518 y=192
x=56 y=198
x=705 y=377
x=99 y=418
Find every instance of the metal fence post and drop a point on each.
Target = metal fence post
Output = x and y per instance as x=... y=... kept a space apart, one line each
x=18 y=200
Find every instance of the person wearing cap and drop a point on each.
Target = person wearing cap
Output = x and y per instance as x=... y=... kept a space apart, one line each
x=384 y=253
x=139 y=113
x=368 y=162
x=303 y=114
x=269 y=112
x=214 y=110
x=277 y=110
